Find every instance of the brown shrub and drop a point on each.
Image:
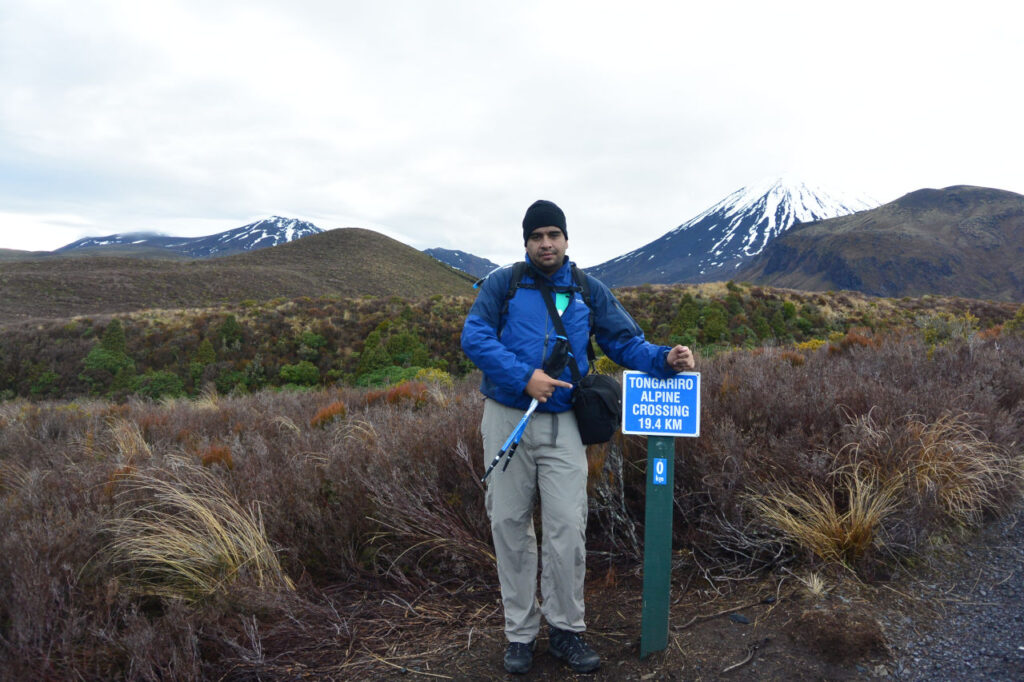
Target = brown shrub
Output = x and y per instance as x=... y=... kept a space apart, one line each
x=413 y=392
x=328 y=414
x=374 y=396
x=991 y=333
x=217 y=454
x=859 y=339
x=794 y=358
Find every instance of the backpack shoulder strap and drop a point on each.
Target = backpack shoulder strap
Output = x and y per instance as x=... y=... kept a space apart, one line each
x=518 y=270
x=579 y=276
x=515 y=277
x=582 y=280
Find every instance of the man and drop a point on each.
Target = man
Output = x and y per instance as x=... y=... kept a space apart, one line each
x=510 y=339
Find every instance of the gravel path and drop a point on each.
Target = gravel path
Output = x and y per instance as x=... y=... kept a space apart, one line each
x=969 y=624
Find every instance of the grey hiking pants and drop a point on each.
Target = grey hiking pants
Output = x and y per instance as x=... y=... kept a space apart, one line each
x=552 y=461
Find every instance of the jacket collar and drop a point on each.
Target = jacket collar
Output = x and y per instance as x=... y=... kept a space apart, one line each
x=559 y=276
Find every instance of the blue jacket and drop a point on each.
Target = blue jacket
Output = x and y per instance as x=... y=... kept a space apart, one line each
x=509 y=346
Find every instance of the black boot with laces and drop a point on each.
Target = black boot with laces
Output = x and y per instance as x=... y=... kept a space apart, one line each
x=569 y=647
x=519 y=657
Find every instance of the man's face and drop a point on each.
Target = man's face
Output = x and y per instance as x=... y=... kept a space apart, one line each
x=546 y=247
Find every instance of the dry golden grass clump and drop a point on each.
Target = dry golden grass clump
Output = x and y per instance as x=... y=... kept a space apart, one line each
x=127 y=440
x=840 y=523
x=948 y=461
x=911 y=470
x=180 y=534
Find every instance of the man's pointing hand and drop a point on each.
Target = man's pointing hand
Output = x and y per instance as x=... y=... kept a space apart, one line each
x=541 y=386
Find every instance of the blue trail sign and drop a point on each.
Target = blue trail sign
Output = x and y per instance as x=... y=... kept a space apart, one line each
x=661 y=407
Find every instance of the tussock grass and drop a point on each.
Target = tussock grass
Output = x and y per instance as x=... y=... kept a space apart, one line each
x=13 y=477
x=969 y=474
x=184 y=536
x=841 y=523
x=209 y=399
x=127 y=441
x=909 y=473
x=948 y=461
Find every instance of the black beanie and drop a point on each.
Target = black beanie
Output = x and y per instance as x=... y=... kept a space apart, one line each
x=543 y=214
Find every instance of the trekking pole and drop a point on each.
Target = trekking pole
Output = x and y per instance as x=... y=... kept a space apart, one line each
x=512 y=442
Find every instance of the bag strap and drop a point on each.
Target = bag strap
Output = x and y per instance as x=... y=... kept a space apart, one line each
x=580 y=279
x=545 y=292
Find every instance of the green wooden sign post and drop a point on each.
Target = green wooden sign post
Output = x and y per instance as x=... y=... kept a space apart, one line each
x=657 y=544
x=661 y=409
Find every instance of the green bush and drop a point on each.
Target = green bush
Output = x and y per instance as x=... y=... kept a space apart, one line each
x=230 y=381
x=45 y=385
x=230 y=332
x=100 y=359
x=159 y=384
x=405 y=349
x=312 y=340
x=255 y=375
x=206 y=354
x=715 y=325
x=390 y=375
x=1016 y=324
x=944 y=327
x=113 y=338
x=304 y=373
x=107 y=371
x=374 y=356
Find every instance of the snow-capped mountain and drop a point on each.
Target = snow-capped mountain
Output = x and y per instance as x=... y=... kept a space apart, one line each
x=467 y=262
x=259 y=235
x=712 y=245
x=128 y=239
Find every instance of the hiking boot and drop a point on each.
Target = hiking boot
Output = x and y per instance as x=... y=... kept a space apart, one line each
x=519 y=657
x=569 y=647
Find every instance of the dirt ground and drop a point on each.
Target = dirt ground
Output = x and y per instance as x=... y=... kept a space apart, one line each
x=826 y=625
x=762 y=631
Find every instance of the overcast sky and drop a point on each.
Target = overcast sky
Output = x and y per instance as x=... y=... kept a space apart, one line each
x=439 y=122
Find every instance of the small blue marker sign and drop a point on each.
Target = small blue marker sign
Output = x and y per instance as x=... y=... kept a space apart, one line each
x=660 y=471
x=661 y=407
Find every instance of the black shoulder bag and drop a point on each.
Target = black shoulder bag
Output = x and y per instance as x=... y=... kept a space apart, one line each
x=596 y=398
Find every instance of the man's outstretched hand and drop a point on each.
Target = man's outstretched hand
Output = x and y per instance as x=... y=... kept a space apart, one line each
x=541 y=386
x=681 y=359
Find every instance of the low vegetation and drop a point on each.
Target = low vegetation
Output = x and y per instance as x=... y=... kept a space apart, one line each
x=304 y=533
x=373 y=341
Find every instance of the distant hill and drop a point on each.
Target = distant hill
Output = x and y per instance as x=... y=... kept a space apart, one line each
x=711 y=246
x=261 y=234
x=467 y=262
x=958 y=241
x=348 y=262
x=18 y=254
